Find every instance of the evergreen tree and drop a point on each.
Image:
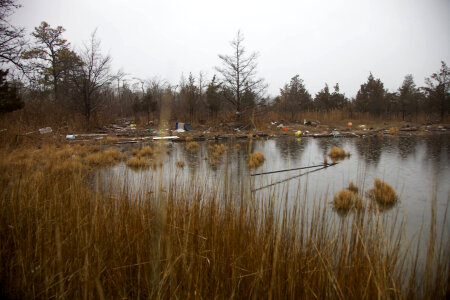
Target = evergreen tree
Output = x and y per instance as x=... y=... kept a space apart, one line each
x=371 y=97
x=9 y=99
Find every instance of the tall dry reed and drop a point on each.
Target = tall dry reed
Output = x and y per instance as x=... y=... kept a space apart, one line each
x=62 y=238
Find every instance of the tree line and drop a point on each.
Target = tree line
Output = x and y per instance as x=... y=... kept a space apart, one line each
x=81 y=81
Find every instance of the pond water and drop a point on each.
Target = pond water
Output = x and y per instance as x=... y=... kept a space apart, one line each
x=417 y=167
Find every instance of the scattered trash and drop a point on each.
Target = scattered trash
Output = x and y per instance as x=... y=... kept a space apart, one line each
x=173 y=137
x=285 y=129
x=92 y=134
x=280 y=126
x=309 y=123
x=335 y=133
x=362 y=126
x=298 y=133
x=180 y=130
x=184 y=126
x=132 y=125
x=70 y=136
x=237 y=130
x=149 y=130
x=349 y=124
x=273 y=123
x=45 y=130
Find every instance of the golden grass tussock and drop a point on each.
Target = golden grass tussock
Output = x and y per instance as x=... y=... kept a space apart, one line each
x=192 y=146
x=180 y=164
x=337 y=154
x=347 y=200
x=383 y=193
x=393 y=130
x=138 y=162
x=255 y=160
x=156 y=163
x=111 y=139
x=352 y=187
x=146 y=151
x=106 y=157
x=62 y=238
x=215 y=152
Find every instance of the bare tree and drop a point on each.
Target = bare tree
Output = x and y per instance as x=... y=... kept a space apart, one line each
x=91 y=78
x=12 y=40
x=239 y=73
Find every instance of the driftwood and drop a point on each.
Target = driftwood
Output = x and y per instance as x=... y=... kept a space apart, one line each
x=293 y=169
x=293 y=177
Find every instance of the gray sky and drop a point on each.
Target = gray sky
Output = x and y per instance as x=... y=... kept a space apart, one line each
x=322 y=41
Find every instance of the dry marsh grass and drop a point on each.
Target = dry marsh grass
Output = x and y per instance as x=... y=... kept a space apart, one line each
x=393 y=131
x=138 y=162
x=111 y=139
x=107 y=157
x=255 y=160
x=353 y=187
x=180 y=164
x=192 y=146
x=215 y=152
x=145 y=151
x=337 y=154
x=62 y=239
x=347 y=200
x=383 y=193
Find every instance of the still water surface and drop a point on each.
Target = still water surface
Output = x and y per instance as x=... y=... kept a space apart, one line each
x=416 y=166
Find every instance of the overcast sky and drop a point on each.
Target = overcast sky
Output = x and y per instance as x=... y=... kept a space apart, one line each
x=322 y=41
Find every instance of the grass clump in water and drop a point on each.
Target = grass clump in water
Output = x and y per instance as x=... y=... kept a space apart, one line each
x=146 y=151
x=337 y=154
x=63 y=239
x=192 y=146
x=383 y=193
x=138 y=162
x=352 y=187
x=393 y=131
x=106 y=157
x=180 y=164
x=215 y=151
x=347 y=200
x=255 y=160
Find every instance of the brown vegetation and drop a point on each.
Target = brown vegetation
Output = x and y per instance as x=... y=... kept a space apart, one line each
x=180 y=164
x=63 y=239
x=215 y=151
x=192 y=146
x=146 y=151
x=255 y=160
x=138 y=162
x=352 y=187
x=383 y=193
x=347 y=200
x=337 y=154
x=107 y=157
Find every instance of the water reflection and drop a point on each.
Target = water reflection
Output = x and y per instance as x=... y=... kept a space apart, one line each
x=417 y=167
x=370 y=149
x=406 y=147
